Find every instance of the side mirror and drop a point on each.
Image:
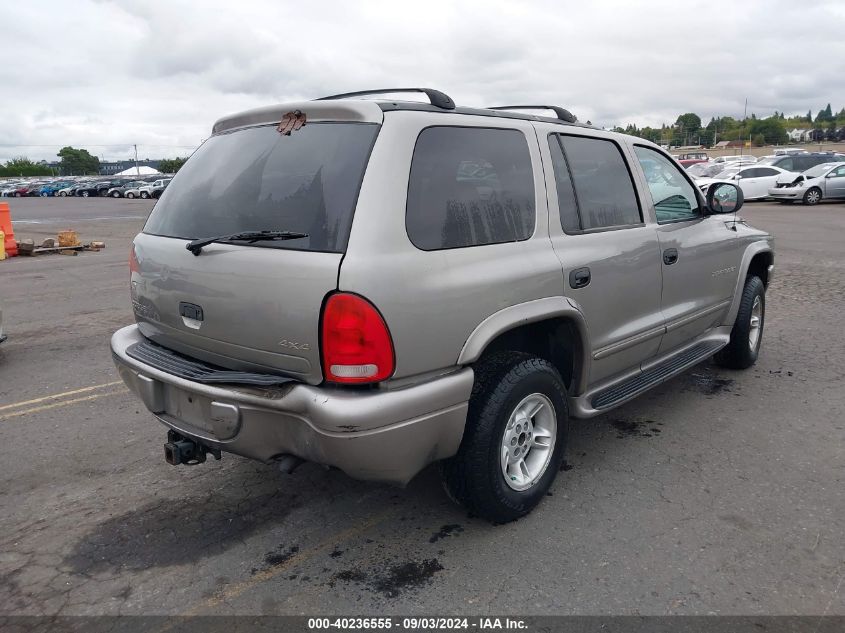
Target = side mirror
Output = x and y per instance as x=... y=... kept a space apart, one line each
x=724 y=197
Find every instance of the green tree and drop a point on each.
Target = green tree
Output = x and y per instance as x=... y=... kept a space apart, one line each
x=771 y=130
x=809 y=116
x=171 y=165
x=22 y=166
x=824 y=115
x=689 y=122
x=77 y=162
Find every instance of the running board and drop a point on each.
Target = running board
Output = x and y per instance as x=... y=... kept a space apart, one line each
x=655 y=375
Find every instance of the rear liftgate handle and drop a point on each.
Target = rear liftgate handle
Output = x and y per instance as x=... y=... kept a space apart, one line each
x=670 y=256
x=579 y=278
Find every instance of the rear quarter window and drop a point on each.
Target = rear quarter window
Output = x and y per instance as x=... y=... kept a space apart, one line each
x=469 y=187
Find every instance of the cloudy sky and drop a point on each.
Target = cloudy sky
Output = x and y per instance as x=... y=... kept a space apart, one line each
x=108 y=74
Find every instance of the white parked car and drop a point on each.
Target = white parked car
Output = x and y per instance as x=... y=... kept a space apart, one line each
x=817 y=183
x=743 y=159
x=755 y=181
x=705 y=170
x=147 y=190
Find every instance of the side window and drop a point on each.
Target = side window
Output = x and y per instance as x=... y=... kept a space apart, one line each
x=468 y=187
x=674 y=197
x=840 y=171
x=752 y=172
x=767 y=171
x=802 y=163
x=603 y=186
x=787 y=163
x=567 y=204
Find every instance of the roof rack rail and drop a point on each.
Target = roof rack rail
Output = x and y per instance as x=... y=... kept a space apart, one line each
x=437 y=98
x=561 y=113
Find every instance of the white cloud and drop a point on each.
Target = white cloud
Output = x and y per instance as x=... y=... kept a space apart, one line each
x=106 y=75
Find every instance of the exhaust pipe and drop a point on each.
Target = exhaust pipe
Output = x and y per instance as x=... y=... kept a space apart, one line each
x=288 y=463
x=182 y=450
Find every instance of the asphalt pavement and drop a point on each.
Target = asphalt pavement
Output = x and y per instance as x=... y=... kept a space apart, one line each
x=719 y=492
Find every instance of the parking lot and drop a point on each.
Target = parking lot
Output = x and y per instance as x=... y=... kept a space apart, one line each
x=719 y=492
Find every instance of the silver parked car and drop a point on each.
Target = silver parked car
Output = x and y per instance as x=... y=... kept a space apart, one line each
x=817 y=183
x=378 y=285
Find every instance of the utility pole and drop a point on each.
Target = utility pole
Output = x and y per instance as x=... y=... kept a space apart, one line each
x=137 y=171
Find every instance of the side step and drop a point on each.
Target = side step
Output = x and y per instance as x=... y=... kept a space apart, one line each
x=655 y=375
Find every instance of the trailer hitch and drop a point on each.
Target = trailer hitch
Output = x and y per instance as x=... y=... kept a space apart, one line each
x=182 y=450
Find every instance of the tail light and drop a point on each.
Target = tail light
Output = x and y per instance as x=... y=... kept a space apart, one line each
x=356 y=343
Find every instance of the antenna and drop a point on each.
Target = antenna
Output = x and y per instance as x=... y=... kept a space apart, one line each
x=741 y=147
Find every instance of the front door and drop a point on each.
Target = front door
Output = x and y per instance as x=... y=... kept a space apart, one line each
x=834 y=184
x=699 y=253
x=609 y=255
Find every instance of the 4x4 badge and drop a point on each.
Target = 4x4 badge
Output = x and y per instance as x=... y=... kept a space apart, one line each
x=303 y=347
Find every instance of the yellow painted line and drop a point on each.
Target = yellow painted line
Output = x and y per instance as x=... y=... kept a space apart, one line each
x=60 y=395
x=263 y=576
x=63 y=403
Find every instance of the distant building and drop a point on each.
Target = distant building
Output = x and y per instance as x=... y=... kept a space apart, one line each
x=109 y=169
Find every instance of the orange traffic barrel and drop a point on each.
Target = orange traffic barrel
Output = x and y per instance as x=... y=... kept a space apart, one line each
x=6 y=227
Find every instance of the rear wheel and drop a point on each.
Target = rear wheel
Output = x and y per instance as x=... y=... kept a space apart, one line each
x=63 y=194
x=145 y=195
x=115 y=194
x=130 y=195
x=813 y=196
x=747 y=333
x=84 y=194
x=514 y=440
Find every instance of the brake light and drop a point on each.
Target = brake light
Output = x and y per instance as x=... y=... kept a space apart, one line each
x=356 y=343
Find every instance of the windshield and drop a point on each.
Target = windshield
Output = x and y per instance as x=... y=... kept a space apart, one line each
x=702 y=169
x=727 y=173
x=259 y=180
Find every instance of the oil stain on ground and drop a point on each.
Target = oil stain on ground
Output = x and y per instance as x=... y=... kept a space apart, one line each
x=708 y=384
x=636 y=428
x=391 y=580
x=173 y=532
x=278 y=556
x=446 y=530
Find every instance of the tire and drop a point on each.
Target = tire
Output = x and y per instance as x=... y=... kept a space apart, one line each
x=44 y=194
x=84 y=194
x=813 y=196
x=115 y=194
x=145 y=195
x=506 y=386
x=747 y=333
x=130 y=195
x=63 y=194
x=17 y=195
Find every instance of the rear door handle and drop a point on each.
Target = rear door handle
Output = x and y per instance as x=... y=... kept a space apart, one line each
x=670 y=256
x=579 y=277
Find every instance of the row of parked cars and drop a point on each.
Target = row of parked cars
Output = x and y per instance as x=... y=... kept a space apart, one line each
x=806 y=177
x=120 y=188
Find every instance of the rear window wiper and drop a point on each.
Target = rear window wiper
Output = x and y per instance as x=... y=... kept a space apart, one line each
x=195 y=246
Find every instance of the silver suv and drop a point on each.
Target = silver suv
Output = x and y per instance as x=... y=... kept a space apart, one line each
x=377 y=285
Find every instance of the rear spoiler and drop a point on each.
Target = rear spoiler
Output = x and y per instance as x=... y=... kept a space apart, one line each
x=316 y=111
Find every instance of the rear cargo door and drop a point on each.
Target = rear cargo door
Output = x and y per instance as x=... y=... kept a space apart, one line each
x=252 y=305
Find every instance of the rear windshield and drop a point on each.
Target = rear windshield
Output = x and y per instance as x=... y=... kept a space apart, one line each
x=257 y=179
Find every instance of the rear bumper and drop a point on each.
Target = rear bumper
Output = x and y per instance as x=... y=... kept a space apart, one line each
x=378 y=435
